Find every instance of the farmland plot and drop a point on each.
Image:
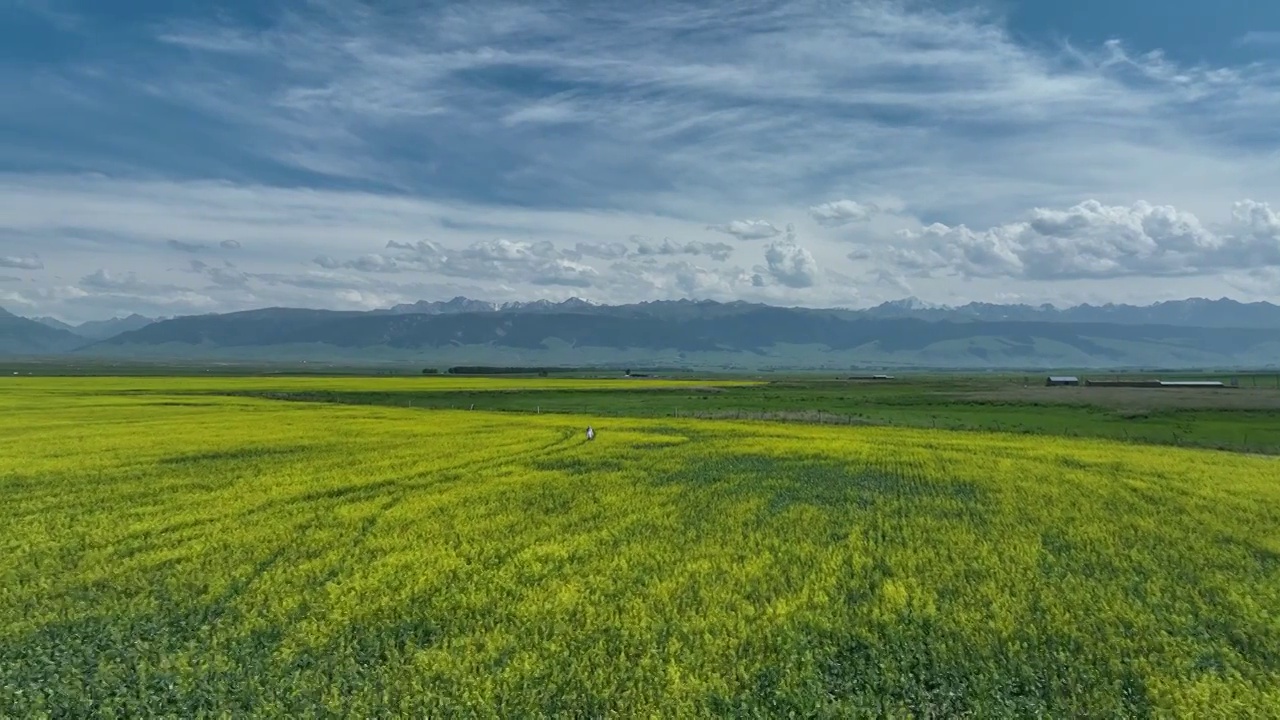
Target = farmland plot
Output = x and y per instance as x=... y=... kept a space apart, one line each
x=203 y=555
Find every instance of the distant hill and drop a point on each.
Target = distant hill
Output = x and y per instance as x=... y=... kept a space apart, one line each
x=100 y=329
x=689 y=333
x=20 y=336
x=56 y=324
x=467 y=305
x=1193 y=312
x=425 y=307
x=103 y=329
x=694 y=334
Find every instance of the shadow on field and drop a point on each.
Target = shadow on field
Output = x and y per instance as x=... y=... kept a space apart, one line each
x=240 y=454
x=817 y=481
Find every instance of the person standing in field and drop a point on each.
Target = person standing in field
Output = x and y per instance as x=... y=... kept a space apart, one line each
x=591 y=433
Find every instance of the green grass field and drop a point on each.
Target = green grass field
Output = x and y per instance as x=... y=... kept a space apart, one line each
x=1242 y=419
x=170 y=549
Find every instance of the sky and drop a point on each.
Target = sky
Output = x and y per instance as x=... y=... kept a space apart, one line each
x=180 y=158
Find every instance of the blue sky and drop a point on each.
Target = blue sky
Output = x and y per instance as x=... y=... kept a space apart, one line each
x=358 y=154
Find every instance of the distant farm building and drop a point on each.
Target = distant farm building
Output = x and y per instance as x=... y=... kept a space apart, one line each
x=1157 y=383
x=1123 y=383
x=870 y=377
x=1053 y=380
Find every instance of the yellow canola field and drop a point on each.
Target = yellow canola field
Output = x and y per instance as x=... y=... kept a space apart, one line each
x=202 y=556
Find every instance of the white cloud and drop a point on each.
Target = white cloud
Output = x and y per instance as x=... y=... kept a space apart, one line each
x=372 y=244
x=227 y=276
x=715 y=251
x=598 y=250
x=123 y=293
x=364 y=299
x=842 y=212
x=102 y=279
x=564 y=272
x=1257 y=221
x=791 y=264
x=1092 y=240
x=748 y=229
x=680 y=279
x=539 y=263
x=30 y=262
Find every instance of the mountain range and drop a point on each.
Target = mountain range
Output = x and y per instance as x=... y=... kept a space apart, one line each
x=1193 y=312
x=20 y=336
x=1188 y=333
x=100 y=329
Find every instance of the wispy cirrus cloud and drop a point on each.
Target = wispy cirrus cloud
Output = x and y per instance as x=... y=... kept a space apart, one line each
x=724 y=87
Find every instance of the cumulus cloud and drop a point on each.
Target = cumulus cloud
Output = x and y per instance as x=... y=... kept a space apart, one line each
x=791 y=264
x=228 y=277
x=104 y=282
x=463 y=258
x=842 y=212
x=600 y=251
x=30 y=262
x=787 y=264
x=1257 y=221
x=373 y=262
x=647 y=247
x=748 y=229
x=694 y=280
x=716 y=251
x=502 y=250
x=364 y=299
x=565 y=272
x=224 y=276
x=538 y=263
x=679 y=278
x=103 y=279
x=117 y=293
x=1092 y=240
